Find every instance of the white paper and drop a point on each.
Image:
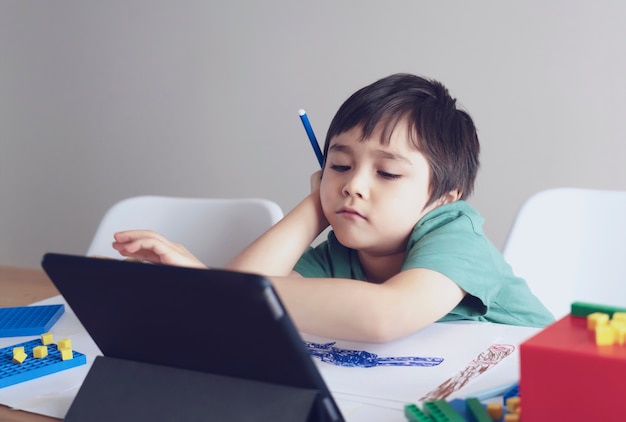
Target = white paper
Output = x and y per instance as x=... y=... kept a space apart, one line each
x=377 y=393
x=459 y=344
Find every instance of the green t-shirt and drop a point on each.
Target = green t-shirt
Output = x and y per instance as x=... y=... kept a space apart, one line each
x=449 y=240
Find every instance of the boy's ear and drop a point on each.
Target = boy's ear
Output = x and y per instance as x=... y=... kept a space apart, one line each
x=449 y=197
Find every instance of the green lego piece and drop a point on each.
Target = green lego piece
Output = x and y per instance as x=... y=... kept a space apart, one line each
x=442 y=411
x=583 y=309
x=476 y=411
x=414 y=414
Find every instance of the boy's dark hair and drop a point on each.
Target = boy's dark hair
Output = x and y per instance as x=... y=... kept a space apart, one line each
x=445 y=134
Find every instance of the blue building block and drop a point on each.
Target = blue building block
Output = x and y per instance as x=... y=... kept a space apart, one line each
x=460 y=407
x=14 y=373
x=513 y=392
x=442 y=411
x=29 y=320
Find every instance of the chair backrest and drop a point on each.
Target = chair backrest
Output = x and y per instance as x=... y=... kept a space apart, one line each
x=213 y=229
x=569 y=245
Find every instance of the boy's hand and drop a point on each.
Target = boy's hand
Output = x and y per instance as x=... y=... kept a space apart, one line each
x=147 y=245
x=316 y=180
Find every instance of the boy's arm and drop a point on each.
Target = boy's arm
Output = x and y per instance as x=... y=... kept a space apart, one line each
x=273 y=253
x=367 y=312
x=278 y=249
x=270 y=254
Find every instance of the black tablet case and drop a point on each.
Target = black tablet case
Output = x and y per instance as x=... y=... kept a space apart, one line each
x=187 y=344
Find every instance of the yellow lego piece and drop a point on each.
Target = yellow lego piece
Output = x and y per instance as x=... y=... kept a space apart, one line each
x=619 y=316
x=495 y=411
x=512 y=404
x=511 y=417
x=605 y=335
x=64 y=343
x=19 y=356
x=619 y=330
x=597 y=319
x=47 y=338
x=66 y=354
x=616 y=324
x=40 y=352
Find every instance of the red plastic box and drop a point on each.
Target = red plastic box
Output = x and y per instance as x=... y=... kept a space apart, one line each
x=565 y=376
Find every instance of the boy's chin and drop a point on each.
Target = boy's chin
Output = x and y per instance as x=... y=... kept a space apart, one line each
x=352 y=241
x=371 y=246
x=348 y=241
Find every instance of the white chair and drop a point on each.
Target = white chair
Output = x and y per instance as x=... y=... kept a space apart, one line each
x=213 y=229
x=569 y=245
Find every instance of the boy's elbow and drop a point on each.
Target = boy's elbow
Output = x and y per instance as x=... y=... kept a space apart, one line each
x=380 y=336
x=382 y=328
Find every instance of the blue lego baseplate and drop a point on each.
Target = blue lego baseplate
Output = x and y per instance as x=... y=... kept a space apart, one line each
x=29 y=320
x=14 y=373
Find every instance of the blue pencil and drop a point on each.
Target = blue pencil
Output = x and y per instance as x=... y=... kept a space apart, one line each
x=312 y=138
x=494 y=391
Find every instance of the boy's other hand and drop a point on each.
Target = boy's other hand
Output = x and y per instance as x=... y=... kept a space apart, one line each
x=147 y=245
x=316 y=180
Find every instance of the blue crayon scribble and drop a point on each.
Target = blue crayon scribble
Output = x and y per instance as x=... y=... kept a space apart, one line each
x=328 y=353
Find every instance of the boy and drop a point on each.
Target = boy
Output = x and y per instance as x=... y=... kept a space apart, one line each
x=405 y=249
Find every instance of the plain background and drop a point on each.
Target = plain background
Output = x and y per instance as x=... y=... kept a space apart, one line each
x=102 y=100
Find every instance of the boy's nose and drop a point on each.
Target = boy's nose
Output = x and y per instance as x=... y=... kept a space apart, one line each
x=357 y=185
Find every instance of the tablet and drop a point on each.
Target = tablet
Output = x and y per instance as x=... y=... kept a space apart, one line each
x=212 y=321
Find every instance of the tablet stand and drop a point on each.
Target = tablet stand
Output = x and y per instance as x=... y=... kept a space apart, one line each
x=124 y=390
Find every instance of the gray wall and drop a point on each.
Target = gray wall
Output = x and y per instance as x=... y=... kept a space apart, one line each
x=101 y=100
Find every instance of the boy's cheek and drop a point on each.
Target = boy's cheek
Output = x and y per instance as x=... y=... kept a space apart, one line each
x=327 y=205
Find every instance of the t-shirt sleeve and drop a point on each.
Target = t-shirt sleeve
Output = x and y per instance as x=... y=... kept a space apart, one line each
x=452 y=243
x=453 y=246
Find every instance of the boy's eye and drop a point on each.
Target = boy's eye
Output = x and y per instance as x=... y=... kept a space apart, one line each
x=386 y=175
x=339 y=168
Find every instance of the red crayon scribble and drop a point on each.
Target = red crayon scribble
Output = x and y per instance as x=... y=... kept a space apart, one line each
x=485 y=360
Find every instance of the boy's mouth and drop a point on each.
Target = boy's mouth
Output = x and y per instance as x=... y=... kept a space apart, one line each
x=350 y=212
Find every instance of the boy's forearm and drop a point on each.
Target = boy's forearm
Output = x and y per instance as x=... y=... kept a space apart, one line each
x=277 y=250
x=325 y=307
x=337 y=308
x=368 y=312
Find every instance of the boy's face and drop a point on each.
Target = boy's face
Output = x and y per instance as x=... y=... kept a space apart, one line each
x=374 y=194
